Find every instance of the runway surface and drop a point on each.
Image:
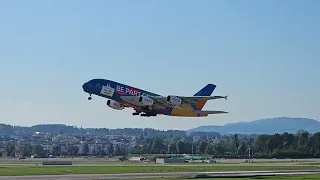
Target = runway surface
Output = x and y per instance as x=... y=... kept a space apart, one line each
x=160 y=175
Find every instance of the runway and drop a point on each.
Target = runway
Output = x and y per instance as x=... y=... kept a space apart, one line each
x=162 y=175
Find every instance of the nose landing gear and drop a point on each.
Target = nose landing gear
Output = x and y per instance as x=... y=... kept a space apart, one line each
x=89 y=98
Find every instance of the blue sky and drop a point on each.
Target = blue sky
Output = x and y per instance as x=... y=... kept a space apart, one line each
x=264 y=54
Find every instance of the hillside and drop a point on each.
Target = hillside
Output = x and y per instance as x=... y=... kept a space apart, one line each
x=264 y=126
x=6 y=130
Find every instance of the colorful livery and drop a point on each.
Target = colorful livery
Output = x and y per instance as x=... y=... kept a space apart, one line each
x=150 y=104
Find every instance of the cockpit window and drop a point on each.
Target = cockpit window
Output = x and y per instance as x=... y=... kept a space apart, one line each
x=94 y=84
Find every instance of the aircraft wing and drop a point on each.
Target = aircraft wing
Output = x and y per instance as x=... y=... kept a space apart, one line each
x=161 y=101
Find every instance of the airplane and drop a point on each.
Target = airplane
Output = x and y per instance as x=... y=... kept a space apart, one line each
x=145 y=103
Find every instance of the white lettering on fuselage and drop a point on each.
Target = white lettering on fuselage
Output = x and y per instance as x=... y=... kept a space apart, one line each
x=120 y=89
x=130 y=91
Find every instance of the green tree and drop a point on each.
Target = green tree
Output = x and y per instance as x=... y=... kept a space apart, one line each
x=10 y=149
x=119 y=150
x=210 y=148
x=27 y=150
x=242 y=148
x=203 y=146
x=38 y=149
x=235 y=143
x=172 y=148
x=303 y=137
x=157 y=145
x=86 y=149
x=73 y=151
x=56 y=150
x=137 y=149
x=219 y=148
x=184 y=147
x=111 y=149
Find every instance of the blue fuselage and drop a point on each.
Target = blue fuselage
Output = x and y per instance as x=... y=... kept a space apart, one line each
x=98 y=87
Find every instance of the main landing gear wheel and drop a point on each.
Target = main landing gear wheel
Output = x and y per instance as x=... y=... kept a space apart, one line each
x=89 y=98
x=148 y=114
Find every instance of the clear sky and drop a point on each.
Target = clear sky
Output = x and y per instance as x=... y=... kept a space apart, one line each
x=264 y=54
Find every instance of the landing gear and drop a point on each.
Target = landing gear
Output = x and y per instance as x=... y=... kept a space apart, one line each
x=89 y=98
x=135 y=113
x=148 y=114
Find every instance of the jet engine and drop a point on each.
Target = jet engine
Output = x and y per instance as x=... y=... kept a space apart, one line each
x=114 y=105
x=145 y=100
x=174 y=100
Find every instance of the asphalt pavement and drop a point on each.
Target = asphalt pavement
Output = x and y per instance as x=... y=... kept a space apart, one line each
x=161 y=175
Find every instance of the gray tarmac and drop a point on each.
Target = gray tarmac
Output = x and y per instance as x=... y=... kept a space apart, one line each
x=172 y=165
x=161 y=175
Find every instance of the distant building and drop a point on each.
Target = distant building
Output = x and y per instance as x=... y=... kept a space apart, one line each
x=170 y=160
x=81 y=148
x=136 y=158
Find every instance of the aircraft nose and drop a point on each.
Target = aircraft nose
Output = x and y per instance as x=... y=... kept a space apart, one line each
x=87 y=87
x=84 y=86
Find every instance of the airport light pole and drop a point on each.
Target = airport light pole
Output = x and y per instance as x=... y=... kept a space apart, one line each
x=249 y=153
x=192 y=151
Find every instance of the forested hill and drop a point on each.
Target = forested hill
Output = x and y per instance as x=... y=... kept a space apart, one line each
x=264 y=126
x=73 y=130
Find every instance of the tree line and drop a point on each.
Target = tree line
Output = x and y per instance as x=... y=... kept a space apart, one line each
x=285 y=145
x=55 y=129
x=28 y=149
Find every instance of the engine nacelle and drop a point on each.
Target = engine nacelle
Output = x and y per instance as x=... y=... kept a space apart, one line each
x=114 y=105
x=145 y=100
x=174 y=100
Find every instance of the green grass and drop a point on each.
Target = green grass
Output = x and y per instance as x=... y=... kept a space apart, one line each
x=74 y=162
x=56 y=170
x=305 y=161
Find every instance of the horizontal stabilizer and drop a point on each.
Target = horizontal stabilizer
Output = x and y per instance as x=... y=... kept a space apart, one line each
x=211 y=112
x=211 y=97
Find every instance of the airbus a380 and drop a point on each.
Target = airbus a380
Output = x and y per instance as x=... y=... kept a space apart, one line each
x=147 y=104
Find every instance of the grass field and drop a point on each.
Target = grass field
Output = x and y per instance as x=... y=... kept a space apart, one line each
x=54 y=170
x=74 y=162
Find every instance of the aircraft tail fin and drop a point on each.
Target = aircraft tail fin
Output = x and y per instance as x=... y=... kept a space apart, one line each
x=205 y=91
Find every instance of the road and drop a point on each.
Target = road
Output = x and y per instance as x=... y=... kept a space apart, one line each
x=160 y=175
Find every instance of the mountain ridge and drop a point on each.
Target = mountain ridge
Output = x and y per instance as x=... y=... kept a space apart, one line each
x=264 y=126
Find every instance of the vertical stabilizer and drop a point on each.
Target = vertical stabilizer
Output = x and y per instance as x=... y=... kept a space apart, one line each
x=205 y=91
